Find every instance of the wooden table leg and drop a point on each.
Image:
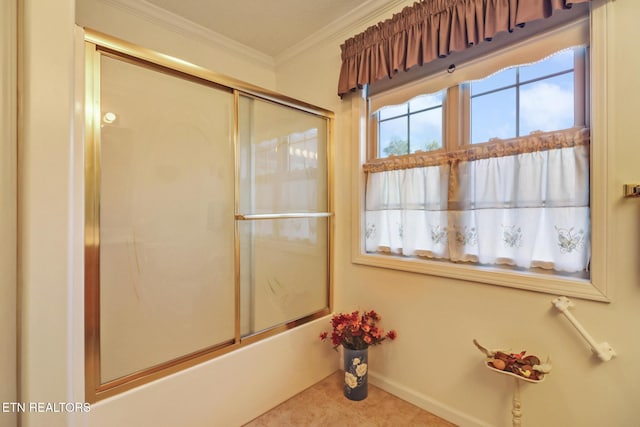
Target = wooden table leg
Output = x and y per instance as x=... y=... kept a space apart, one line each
x=517 y=406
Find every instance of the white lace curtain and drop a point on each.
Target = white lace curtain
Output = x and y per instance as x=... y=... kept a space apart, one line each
x=523 y=202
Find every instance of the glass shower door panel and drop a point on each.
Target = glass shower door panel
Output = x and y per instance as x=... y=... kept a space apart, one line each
x=166 y=218
x=283 y=159
x=283 y=214
x=285 y=273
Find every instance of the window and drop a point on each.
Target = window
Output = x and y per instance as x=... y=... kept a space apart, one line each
x=546 y=95
x=533 y=93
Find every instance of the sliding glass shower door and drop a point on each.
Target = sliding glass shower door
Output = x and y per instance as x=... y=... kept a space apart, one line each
x=166 y=219
x=283 y=214
x=208 y=216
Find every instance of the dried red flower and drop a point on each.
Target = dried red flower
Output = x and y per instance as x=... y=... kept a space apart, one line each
x=356 y=331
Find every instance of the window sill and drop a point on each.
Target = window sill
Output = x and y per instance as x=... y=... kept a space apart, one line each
x=537 y=282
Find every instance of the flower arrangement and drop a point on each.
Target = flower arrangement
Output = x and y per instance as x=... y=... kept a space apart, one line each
x=357 y=332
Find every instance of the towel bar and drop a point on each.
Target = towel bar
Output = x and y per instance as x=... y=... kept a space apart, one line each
x=603 y=350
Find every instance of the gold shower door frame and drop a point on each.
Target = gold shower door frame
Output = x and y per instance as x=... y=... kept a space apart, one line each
x=96 y=45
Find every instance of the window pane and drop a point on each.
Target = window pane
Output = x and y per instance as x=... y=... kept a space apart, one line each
x=561 y=61
x=393 y=137
x=493 y=116
x=426 y=130
x=547 y=104
x=502 y=79
x=392 y=111
x=424 y=102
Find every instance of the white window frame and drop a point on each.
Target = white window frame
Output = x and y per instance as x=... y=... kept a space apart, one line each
x=597 y=287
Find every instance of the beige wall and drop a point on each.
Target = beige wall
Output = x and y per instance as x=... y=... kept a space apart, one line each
x=433 y=362
x=8 y=147
x=48 y=197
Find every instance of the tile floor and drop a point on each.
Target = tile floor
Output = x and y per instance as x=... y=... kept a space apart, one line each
x=323 y=405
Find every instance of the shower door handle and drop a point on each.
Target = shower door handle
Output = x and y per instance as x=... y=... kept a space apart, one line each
x=250 y=217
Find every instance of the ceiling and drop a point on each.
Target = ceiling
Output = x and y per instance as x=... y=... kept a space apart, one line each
x=268 y=26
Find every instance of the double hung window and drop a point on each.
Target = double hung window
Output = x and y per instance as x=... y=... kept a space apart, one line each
x=487 y=163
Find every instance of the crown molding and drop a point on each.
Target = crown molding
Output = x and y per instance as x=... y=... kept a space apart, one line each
x=343 y=27
x=187 y=28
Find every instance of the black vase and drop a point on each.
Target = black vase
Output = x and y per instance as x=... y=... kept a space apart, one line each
x=356 y=373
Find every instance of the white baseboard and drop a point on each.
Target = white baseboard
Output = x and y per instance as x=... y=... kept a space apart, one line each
x=425 y=402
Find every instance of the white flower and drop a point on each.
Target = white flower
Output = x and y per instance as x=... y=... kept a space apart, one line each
x=361 y=370
x=356 y=361
x=350 y=380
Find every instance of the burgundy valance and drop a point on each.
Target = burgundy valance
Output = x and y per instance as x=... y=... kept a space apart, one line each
x=433 y=29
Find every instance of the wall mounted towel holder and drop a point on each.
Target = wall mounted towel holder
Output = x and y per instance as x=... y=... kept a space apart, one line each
x=603 y=350
x=631 y=190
